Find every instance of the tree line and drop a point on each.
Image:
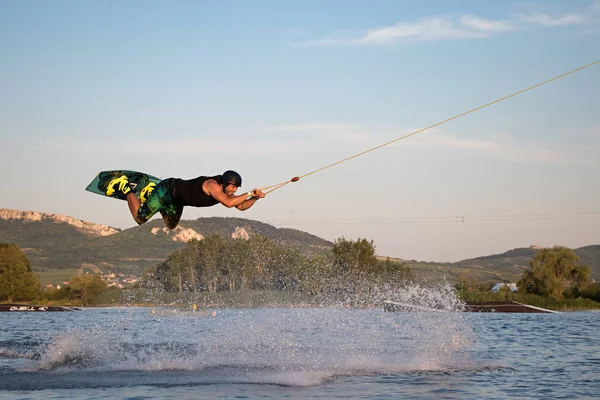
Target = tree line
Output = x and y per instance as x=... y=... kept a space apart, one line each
x=555 y=273
x=19 y=283
x=224 y=264
x=217 y=264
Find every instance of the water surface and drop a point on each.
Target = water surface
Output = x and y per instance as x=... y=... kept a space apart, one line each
x=323 y=353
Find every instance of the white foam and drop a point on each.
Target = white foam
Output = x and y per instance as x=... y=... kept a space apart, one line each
x=295 y=347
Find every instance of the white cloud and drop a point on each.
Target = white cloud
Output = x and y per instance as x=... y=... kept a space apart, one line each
x=435 y=28
x=312 y=127
x=425 y=29
x=546 y=20
x=434 y=139
x=503 y=148
x=351 y=138
x=339 y=132
x=278 y=139
x=229 y=147
x=474 y=22
x=596 y=5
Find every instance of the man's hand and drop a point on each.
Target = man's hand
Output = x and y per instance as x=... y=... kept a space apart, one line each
x=256 y=193
x=251 y=198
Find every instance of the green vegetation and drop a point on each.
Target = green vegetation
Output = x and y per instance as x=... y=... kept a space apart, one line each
x=220 y=271
x=51 y=245
x=431 y=272
x=216 y=264
x=17 y=282
x=57 y=276
x=530 y=299
x=555 y=273
x=87 y=288
x=248 y=270
x=555 y=280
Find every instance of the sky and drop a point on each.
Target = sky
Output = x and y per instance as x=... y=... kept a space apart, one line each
x=277 y=89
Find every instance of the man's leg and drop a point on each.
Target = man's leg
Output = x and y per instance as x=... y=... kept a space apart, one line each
x=155 y=202
x=134 y=204
x=171 y=216
x=159 y=200
x=120 y=188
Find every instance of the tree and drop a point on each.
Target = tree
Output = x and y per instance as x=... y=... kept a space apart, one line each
x=555 y=272
x=177 y=268
x=393 y=271
x=236 y=263
x=354 y=256
x=312 y=274
x=262 y=253
x=64 y=292
x=464 y=284
x=157 y=277
x=355 y=262
x=216 y=264
x=17 y=281
x=592 y=291
x=211 y=251
x=87 y=287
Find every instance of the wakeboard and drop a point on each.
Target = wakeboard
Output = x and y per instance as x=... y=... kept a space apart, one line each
x=142 y=184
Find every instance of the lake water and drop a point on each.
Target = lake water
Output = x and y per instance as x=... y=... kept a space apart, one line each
x=298 y=353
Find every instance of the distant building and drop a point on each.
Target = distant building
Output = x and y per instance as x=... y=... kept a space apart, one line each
x=498 y=286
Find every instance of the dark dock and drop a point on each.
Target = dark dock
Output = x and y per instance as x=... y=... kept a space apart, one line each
x=491 y=306
x=33 y=308
x=505 y=307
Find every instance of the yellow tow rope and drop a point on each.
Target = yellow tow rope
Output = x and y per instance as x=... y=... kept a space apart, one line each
x=297 y=178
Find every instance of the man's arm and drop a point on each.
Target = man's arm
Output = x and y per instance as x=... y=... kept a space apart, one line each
x=216 y=191
x=246 y=204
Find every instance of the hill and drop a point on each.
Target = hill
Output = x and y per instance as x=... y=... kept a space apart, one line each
x=507 y=266
x=511 y=264
x=53 y=241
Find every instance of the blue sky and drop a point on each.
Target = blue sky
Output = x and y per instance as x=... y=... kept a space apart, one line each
x=277 y=89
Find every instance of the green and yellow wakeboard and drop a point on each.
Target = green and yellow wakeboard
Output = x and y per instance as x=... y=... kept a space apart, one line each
x=142 y=184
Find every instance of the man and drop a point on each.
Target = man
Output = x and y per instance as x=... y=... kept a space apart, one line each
x=172 y=194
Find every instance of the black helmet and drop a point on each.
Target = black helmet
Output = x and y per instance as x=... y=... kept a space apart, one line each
x=231 y=178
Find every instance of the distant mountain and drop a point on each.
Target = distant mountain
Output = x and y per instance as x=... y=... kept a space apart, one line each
x=590 y=255
x=53 y=241
x=507 y=266
x=511 y=264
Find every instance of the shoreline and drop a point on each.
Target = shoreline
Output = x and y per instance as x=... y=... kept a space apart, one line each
x=476 y=307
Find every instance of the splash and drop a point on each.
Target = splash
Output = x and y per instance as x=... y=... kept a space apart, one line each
x=283 y=346
x=8 y=353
